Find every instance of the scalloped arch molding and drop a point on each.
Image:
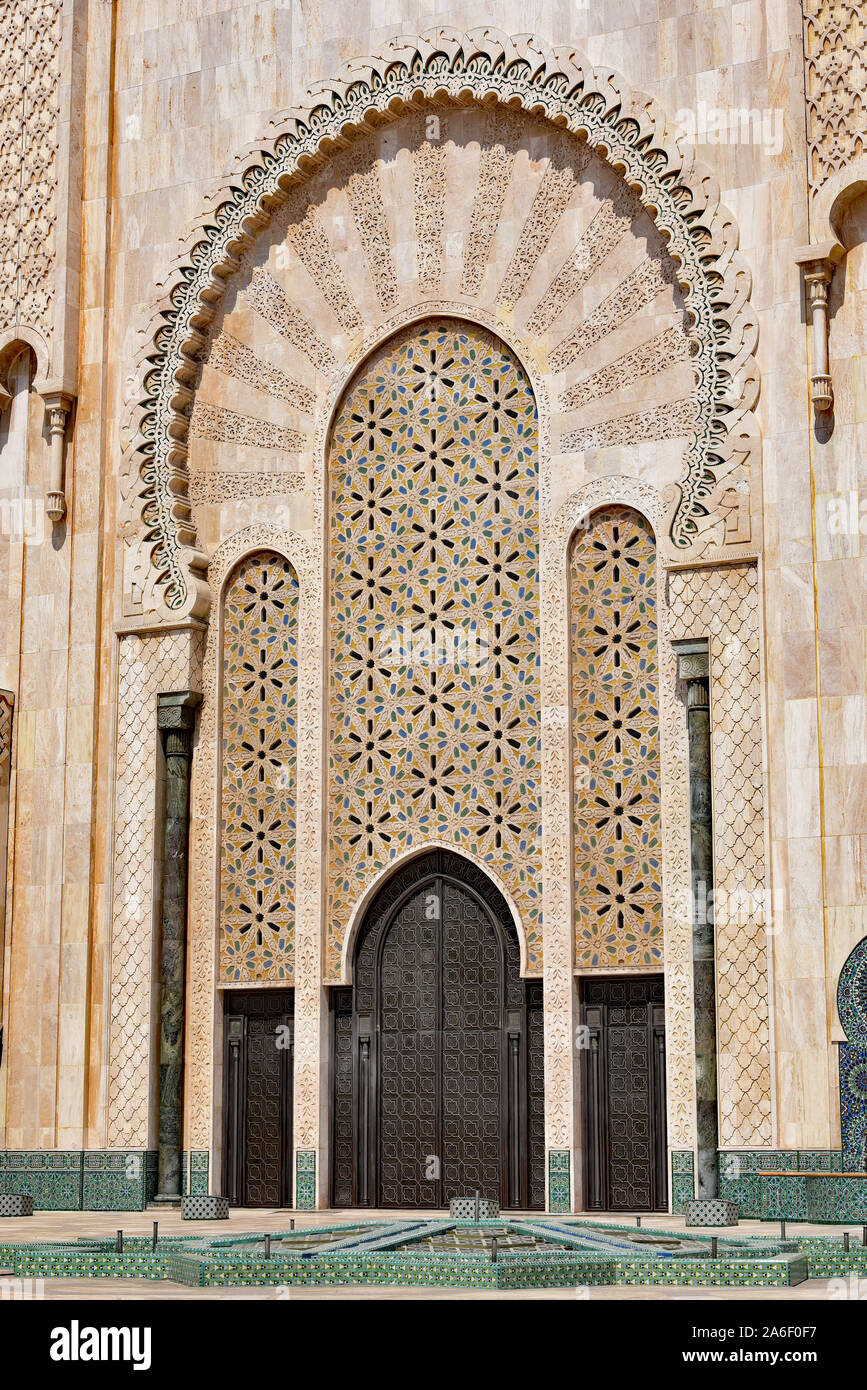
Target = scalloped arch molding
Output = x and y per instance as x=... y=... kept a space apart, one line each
x=709 y=283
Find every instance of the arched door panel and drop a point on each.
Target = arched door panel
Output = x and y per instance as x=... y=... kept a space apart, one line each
x=437 y=1049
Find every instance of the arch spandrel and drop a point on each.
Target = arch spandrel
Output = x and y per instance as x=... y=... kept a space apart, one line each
x=409 y=220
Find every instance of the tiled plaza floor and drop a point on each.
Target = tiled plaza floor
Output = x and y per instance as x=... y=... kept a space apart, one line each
x=45 y=1225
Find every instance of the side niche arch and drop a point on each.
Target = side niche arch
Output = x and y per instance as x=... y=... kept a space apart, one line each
x=616 y=751
x=258 y=687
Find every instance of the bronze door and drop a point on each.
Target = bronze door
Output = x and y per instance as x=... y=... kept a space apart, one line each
x=624 y=1094
x=259 y=1047
x=432 y=1072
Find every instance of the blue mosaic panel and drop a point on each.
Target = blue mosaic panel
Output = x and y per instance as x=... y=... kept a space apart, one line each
x=259 y=693
x=559 y=1180
x=615 y=742
x=434 y=617
x=852 y=995
x=853 y=1107
x=305 y=1179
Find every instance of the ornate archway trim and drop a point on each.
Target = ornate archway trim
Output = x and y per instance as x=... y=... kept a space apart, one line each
x=393 y=867
x=483 y=66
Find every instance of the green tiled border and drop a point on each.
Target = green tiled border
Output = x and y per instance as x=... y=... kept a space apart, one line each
x=76 y=1180
x=305 y=1179
x=682 y=1179
x=559 y=1180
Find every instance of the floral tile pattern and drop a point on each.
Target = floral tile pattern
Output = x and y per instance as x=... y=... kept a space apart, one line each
x=615 y=740
x=260 y=675
x=434 y=617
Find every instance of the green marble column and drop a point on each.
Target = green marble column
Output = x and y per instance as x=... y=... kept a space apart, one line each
x=693 y=668
x=176 y=717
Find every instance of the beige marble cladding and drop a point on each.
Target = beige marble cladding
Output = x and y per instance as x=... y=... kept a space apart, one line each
x=520 y=226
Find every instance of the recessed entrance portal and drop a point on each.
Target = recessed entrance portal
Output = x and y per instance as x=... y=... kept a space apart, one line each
x=438 y=1077
x=623 y=1085
x=258 y=1067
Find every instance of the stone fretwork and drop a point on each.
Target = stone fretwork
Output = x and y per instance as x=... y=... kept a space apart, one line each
x=835 y=33
x=29 y=111
x=723 y=605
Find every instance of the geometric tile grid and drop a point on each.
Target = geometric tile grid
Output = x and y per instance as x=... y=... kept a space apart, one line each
x=305 y=1179
x=853 y=1107
x=682 y=1179
x=72 y=1180
x=711 y=1211
x=559 y=1180
x=434 y=617
x=722 y=604
x=260 y=678
x=615 y=731
x=852 y=995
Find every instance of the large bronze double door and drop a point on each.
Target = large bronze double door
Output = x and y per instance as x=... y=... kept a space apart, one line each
x=438 y=1049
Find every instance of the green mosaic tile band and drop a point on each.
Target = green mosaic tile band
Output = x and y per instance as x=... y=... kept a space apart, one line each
x=682 y=1179
x=559 y=1180
x=305 y=1179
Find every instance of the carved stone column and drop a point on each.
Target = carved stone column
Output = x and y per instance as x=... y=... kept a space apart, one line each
x=57 y=405
x=176 y=716
x=693 y=668
x=819 y=262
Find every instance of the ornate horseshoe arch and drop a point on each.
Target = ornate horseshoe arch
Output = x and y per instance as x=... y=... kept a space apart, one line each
x=593 y=115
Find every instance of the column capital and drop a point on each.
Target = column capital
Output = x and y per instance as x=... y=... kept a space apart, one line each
x=177 y=710
x=693 y=660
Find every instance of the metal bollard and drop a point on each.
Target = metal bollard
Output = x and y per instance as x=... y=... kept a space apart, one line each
x=120 y=1242
x=267 y=1247
x=782 y=1230
x=494 y=1249
x=638 y=1222
x=714 y=1242
x=846 y=1241
x=477 y=1204
x=156 y=1234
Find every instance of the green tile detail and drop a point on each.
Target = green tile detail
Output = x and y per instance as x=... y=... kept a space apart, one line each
x=682 y=1179
x=559 y=1180
x=305 y=1179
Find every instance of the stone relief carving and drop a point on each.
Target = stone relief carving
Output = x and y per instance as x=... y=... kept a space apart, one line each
x=835 y=77
x=30 y=35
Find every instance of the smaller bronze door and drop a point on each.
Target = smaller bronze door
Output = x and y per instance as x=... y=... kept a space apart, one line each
x=623 y=1078
x=259 y=1047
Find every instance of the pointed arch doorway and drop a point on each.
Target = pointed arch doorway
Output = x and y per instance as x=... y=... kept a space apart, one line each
x=438 y=1071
